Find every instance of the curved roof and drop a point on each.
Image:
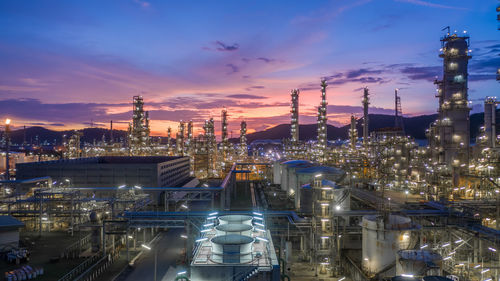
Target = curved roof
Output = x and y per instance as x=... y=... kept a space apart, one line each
x=295 y=162
x=320 y=169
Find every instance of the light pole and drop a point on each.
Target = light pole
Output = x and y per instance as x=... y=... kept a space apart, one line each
x=7 y=148
x=156 y=257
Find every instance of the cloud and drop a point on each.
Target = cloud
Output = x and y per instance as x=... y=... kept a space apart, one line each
x=233 y=68
x=254 y=87
x=245 y=96
x=427 y=73
x=430 y=4
x=266 y=60
x=220 y=46
x=361 y=72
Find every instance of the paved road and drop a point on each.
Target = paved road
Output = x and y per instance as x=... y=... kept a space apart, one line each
x=169 y=246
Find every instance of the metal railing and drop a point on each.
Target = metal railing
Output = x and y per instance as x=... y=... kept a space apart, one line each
x=355 y=272
x=79 y=268
x=73 y=250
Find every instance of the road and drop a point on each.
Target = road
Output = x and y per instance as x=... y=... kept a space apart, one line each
x=169 y=246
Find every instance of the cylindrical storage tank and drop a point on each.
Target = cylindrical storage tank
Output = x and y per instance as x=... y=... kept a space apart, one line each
x=277 y=172
x=418 y=262
x=383 y=236
x=341 y=197
x=232 y=248
x=306 y=199
x=284 y=176
x=239 y=229
x=235 y=219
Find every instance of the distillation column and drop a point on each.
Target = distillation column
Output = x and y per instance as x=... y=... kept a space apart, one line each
x=366 y=102
x=243 y=139
x=453 y=123
x=294 y=126
x=180 y=139
x=225 y=140
x=322 y=125
x=353 y=132
x=490 y=106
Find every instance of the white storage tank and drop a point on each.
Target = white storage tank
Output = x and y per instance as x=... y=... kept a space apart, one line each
x=277 y=172
x=240 y=229
x=288 y=171
x=232 y=248
x=418 y=263
x=383 y=236
x=235 y=219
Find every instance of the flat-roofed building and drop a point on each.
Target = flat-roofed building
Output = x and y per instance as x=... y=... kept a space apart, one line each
x=111 y=171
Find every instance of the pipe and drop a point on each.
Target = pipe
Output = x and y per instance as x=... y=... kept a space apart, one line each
x=284 y=276
x=183 y=277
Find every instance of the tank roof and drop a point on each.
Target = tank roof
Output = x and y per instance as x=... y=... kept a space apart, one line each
x=294 y=162
x=319 y=169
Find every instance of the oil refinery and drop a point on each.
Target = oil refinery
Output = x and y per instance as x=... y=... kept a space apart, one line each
x=377 y=205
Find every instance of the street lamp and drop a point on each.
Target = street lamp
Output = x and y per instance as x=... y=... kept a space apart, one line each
x=156 y=257
x=7 y=148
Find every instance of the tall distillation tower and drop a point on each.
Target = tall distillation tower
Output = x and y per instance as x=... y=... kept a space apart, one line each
x=453 y=123
x=490 y=107
x=294 y=126
x=225 y=140
x=243 y=140
x=398 y=112
x=353 y=132
x=139 y=128
x=169 y=139
x=322 y=125
x=189 y=141
x=180 y=139
x=366 y=102
x=211 y=143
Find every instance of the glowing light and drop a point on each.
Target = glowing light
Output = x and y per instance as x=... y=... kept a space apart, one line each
x=146 y=247
x=201 y=239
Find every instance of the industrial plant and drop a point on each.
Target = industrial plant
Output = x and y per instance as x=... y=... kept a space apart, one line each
x=377 y=205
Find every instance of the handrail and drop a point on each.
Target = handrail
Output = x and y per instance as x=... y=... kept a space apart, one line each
x=78 y=269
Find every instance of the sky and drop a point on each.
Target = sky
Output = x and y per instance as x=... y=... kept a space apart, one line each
x=67 y=64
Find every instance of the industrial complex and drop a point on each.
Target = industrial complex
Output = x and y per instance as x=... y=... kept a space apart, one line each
x=375 y=206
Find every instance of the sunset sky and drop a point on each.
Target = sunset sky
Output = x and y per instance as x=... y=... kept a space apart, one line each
x=64 y=64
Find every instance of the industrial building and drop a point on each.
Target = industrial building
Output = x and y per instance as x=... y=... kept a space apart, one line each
x=111 y=171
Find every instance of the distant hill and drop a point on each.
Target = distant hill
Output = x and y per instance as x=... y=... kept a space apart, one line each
x=414 y=126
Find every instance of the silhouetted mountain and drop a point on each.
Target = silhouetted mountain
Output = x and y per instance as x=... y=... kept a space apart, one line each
x=414 y=126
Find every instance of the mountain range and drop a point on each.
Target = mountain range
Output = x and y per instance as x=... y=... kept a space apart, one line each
x=414 y=127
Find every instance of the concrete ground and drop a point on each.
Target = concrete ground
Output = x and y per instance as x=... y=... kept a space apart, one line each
x=303 y=271
x=42 y=250
x=169 y=249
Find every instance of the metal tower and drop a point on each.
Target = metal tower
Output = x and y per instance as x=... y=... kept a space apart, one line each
x=294 y=126
x=322 y=125
x=189 y=141
x=169 y=139
x=180 y=139
x=366 y=102
x=243 y=139
x=139 y=128
x=490 y=107
x=225 y=140
x=453 y=123
x=353 y=132
x=398 y=116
